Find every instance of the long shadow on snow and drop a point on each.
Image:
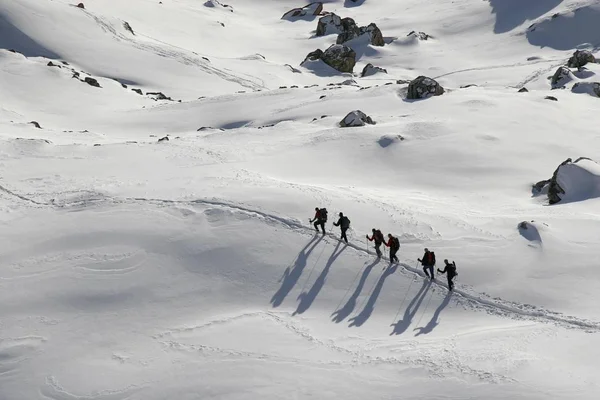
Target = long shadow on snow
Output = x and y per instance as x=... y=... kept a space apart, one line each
x=346 y=310
x=512 y=13
x=292 y=274
x=401 y=326
x=434 y=320
x=365 y=314
x=12 y=37
x=307 y=298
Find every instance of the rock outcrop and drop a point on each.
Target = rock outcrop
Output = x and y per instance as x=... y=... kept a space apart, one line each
x=356 y=118
x=561 y=77
x=339 y=57
x=420 y=35
x=574 y=180
x=310 y=10
x=351 y=31
x=370 y=69
x=423 y=87
x=580 y=58
x=329 y=24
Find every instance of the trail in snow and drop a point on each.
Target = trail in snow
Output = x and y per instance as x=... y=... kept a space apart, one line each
x=175 y=54
x=479 y=301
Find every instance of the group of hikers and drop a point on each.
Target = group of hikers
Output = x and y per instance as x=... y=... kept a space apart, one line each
x=428 y=260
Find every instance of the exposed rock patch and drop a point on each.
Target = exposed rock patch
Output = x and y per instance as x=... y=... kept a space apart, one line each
x=356 y=118
x=423 y=87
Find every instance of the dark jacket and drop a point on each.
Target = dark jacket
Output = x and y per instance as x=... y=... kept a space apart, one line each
x=377 y=237
x=450 y=269
x=427 y=259
x=343 y=222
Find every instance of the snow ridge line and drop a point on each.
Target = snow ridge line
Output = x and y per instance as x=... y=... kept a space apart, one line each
x=496 y=305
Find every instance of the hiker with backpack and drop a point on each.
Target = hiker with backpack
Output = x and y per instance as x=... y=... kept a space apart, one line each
x=320 y=219
x=428 y=262
x=378 y=238
x=394 y=244
x=344 y=224
x=450 y=270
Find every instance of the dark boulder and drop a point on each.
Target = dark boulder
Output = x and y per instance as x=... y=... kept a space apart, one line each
x=91 y=81
x=561 y=77
x=356 y=118
x=423 y=87
x=370 y=69
x=340 y=57
x=580 y=58
x=312 y=9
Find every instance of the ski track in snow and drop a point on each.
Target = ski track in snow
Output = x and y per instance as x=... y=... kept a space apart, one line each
x=178 y=55
x=439 y=364
x=53 y=390
x=495 y=306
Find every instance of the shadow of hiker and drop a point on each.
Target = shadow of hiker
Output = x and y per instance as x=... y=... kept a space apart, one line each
x=291 y=275
x=307 y=298
x=434 y=320
x=401 y=326
x=365 y=314
x=344 y=312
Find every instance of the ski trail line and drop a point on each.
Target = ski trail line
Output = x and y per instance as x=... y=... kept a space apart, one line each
x=495 y=305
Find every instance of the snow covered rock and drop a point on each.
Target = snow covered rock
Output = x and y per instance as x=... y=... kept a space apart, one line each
x=423 y=87
x=561 y=77
x=329 y=24
x=309 y=10
x=356 y=118
x=572 y=181
x=351 y=31
x=340 y=57
x=314 y=55
x=216 y=3
x=581 y=58
x=388 y=140
x=81 y=5
x=36 y=124
x=420 y=35
x=591 y=88
x=369 y=70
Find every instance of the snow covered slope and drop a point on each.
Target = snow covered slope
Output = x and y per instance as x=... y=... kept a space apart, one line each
x=133 y=268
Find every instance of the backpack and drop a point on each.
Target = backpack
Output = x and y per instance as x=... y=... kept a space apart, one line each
x=396 y=243
x=323 y=214
x=345 y=222
x=432 y=258
x=379 y=236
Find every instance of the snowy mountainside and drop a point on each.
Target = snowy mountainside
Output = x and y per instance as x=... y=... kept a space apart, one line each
x=185 y=267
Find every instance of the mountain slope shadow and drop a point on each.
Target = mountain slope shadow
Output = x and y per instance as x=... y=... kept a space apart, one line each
x=513 y=13
x=434 y=319
x=346 y=310
x=365 y=314
x=292 y=274
x=401 y=326
x=581 y=25
x=12 y=38
x=307 y=298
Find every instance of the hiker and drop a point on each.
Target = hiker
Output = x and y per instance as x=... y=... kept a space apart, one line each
x=394 y=245
x=428 y=262
x=450 y=270
x=378 y=238
x=320 y=219
x=344 y=224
